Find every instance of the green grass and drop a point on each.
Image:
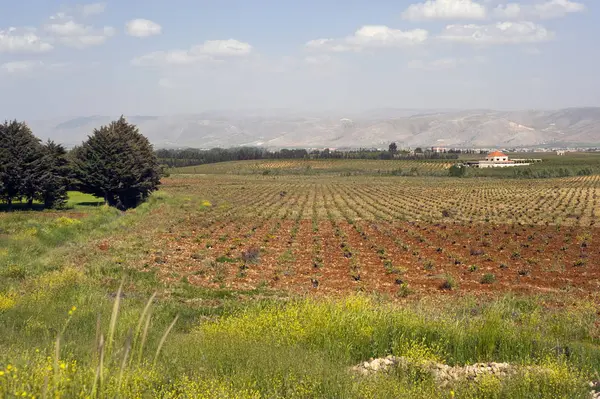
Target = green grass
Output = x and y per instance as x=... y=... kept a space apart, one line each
x=76 y=199
x=79 y=199
x=303 y=348
x=552 y=165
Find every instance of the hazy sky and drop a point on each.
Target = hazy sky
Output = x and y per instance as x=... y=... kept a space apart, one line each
x=183 y=56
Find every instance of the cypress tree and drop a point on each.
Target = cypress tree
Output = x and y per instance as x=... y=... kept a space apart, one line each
x=118 y=164
x=55 y=176
x=20 y=166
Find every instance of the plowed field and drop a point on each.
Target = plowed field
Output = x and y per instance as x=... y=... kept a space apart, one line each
x=391 y=235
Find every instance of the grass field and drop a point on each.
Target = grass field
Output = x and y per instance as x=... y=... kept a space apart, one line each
x=279 y=283
x=552 y=165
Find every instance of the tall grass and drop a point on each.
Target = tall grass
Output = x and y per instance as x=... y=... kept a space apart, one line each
x=304 y=348
x=298 y=348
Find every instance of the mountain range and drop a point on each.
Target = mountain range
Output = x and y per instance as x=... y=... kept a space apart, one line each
x=374 y=128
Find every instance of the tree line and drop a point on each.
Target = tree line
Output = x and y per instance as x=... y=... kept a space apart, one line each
x=191 y=156
x=116 y=163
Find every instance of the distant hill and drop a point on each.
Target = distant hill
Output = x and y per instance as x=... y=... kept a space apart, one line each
x=280 y=128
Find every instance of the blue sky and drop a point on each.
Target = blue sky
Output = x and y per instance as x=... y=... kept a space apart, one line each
x=62 y=59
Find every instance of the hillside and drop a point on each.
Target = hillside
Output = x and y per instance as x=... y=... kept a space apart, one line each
x=279 y=128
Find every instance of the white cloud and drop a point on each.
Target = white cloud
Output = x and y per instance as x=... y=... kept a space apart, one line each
x=318 y=59
x=509 y=11
x=557 y=8
x=15 y=40
x=229 y=47
x=445 y=9
x=143 y=28
x=545 y=10
x=25 y=67
x=371 y=36
x=209 y=51
x=88 y=10
x=73 y=34
x=69 y=28
x=499 y=33
x=19 y=66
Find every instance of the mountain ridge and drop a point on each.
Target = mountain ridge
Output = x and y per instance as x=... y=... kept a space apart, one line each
x=372 y=128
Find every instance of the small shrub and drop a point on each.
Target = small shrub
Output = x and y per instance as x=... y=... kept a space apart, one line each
x=449 y=283
x=404 y=290
x=473 y=268
x=251 y=255
x=488 y=278
x=429 y=265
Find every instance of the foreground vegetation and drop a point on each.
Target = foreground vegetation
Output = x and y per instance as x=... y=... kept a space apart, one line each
x=168 y=300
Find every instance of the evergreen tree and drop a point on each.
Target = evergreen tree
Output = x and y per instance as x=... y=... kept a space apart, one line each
x=20 y=166
x=118 y=164
x=393 y=148
x=457 y=170
x=55 y=176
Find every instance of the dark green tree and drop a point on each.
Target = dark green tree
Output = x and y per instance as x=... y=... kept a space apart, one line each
x=118 y=164
x=457 y=170
x=393 y=148
x=55 y=177
x=20 y=163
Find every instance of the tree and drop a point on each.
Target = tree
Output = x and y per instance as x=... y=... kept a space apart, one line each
x=55 y=176
x=418 y=150
x=20 y=166
x=118 y=164
x=457 y=170
x=393 y=148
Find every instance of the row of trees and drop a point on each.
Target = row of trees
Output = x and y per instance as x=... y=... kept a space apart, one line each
x=31 y=170
x=115 y=163
x=191 y=156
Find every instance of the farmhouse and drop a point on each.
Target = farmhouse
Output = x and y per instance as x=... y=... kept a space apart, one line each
x=498 y=159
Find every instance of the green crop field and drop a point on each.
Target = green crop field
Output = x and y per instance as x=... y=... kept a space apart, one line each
x=326 y=166
x=276 y=278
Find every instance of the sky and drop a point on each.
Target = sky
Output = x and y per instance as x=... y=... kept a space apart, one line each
x=158 y=57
